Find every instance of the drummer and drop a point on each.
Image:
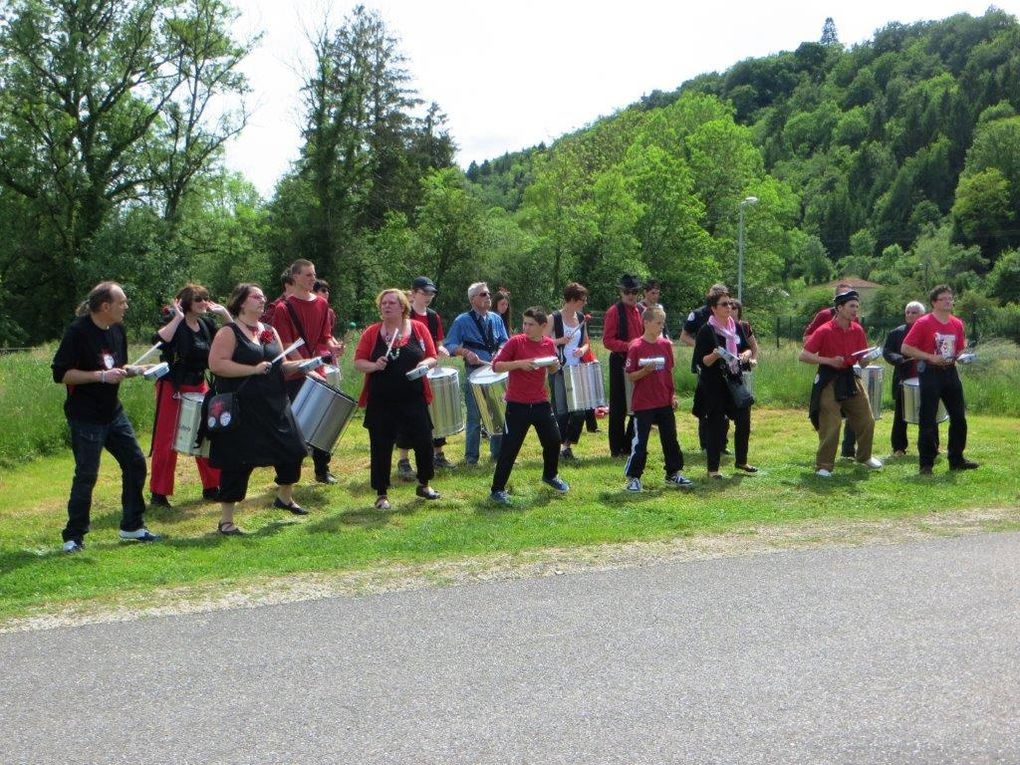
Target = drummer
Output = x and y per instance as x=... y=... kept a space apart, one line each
x=185 y=339
x=423 y=291
x=936 y=341
x=265 y=433
x=305 y=315
x=621 y=324
x=396 y=407
x=527 y=403
x=91 y=362
x=837 y=391
x=569 y=333
x=475 y=336
x=903 y=369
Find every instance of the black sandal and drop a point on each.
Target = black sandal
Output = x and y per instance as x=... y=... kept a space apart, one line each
x=747 y=468
x=294 y=507
x=229 y=529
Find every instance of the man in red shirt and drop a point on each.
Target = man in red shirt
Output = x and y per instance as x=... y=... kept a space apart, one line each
x=305 y=315
x=936 y=340
x=621 y=324
x=527 y=403
x=837 y=391
x=654 y=401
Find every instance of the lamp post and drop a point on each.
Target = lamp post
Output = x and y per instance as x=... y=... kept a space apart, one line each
x=740 y=247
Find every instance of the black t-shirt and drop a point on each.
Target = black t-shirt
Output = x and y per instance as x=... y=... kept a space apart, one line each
x=188 y=352
x=89 y=348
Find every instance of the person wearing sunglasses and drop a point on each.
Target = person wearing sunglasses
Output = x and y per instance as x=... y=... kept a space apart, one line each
x=621 y=324
x=185 y=339
x=696 y=319
x=476 y=335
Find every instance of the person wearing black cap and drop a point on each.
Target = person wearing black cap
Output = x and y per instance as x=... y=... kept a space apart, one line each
x=423 y=290
x=621 y=324
x=835 y=347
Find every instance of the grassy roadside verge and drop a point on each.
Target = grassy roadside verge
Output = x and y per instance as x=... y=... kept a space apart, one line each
x=345 y=534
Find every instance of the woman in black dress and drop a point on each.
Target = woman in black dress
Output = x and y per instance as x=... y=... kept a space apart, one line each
x=394 y=405
x=713 y=401
x=265 y=433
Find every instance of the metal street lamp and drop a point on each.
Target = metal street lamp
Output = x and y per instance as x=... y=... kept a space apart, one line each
x=740 y=247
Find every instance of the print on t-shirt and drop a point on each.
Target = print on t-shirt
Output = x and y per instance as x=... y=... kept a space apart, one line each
x=107 y=359
x=945 y=345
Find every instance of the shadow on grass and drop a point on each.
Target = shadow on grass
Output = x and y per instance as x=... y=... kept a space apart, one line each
x=365 y=518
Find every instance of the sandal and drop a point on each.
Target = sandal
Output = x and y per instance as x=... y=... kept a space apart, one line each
x=747 y=468
x=228 y=529
x=426 y=492
x=381 y=503
x=294 y=507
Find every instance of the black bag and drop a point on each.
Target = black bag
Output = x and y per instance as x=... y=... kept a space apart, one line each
x=739 y=392
x=220 y=412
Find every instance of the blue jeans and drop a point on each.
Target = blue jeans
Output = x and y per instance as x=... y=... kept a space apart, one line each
x=473 y=431
x=87 y=442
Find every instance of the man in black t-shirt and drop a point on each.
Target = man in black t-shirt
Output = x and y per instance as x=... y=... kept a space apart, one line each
x=91 y=361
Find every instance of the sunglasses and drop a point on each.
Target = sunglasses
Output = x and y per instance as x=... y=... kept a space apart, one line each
x=631 y=292
x=482 y=294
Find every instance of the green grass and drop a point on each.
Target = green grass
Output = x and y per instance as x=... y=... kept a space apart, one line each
x=344 y=532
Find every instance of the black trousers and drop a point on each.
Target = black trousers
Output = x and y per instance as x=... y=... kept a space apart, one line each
x=408 y=424
x=941 y=384
x=673 y=457
x=319 y=457
x=519 y=417
x=716 y=425
x=570 y=423
x=621 y=427
x=234 y=481
x=899 y=425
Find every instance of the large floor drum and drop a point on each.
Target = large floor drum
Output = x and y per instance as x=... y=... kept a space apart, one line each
x=445 y=410
x=585 y=387
x=189 y=419
x=872 y=377
x=322 y=413
x=489 y=389
x=912 y=403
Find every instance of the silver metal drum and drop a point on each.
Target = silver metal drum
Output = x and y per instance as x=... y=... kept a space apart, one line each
x=445 y=410
x=872 y=378
x=912 y=403
x=322 y=412
x=585 y=388
x=189 y=419
x=489 y=389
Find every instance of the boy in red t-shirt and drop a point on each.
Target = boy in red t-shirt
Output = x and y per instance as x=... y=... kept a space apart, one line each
x=654 y=401
x=527 y=403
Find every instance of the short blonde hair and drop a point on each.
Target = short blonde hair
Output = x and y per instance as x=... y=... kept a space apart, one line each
x=405 y=305
x=653 y=313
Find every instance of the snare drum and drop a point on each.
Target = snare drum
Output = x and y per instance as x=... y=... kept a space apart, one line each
x=912 y=403
x=322 y=413
x=189 y=420
x=585 y=388
x=445 y=410
x=489 y=389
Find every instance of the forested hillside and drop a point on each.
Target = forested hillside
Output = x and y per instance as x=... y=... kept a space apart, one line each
x=895 y=160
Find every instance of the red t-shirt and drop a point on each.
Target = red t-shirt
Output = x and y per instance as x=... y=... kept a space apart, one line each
x=526 y=386
x=930 y=335
x=314 y=318
x=824 y=316
x=656 y=390
x=832 y=340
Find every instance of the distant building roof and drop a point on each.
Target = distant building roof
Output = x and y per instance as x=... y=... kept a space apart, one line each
x=857 y=282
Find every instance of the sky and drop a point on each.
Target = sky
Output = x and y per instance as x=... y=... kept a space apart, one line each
x=511 y=75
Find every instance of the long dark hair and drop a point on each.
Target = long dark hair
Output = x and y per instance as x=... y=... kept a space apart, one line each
x=505 y=316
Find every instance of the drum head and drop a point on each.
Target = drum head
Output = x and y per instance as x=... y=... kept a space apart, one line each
x=438 y=372
x=486 y=376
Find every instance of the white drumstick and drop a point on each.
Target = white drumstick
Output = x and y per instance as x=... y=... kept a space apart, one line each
x=290 y=348
x=393 y=339
x=148 y=353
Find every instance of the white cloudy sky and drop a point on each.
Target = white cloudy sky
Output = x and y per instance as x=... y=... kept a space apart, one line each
x=509 y=75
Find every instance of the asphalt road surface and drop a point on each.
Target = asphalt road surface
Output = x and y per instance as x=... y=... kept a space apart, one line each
x=883 y=654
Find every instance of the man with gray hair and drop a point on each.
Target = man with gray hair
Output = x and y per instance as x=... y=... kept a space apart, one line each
x=475 y=336
x=903 y=369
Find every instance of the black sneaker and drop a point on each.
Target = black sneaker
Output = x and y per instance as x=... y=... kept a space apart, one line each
x=567 y=455
x=404 y=470
x=964 y=465
x=160 y=500
x=327 y=478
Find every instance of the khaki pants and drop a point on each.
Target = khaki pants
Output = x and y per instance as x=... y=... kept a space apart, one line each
x=857 y=411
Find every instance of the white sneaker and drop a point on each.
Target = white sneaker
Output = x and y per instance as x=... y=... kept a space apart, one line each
x=140 y=535
x=73 y=546
x=873 y=463
x=634 y=484
x=823 y=473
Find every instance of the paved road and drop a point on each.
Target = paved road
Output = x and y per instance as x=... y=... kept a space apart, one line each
x=883 y=654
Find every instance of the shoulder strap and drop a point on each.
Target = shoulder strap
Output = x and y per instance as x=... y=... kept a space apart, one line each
x=297 y=325
x=622 y=325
